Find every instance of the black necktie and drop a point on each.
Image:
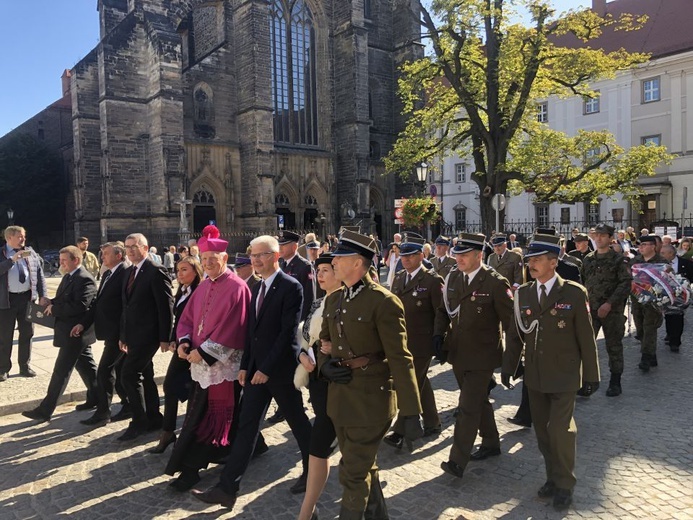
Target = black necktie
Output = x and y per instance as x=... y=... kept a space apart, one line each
x=260 y=298
x=131 y=281
x=466 y=282
x=105 y=278
x=20 y=268
x=407 y=280
x=543 y=297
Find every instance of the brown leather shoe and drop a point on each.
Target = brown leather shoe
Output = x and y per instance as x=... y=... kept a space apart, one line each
x=215 y=495
x=452 y=468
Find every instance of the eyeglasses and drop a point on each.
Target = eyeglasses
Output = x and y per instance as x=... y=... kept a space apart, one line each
x=133 y=247
x=260 y=255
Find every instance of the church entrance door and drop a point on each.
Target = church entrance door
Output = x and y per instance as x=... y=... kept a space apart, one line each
x=309 y=216
x=289 y=217
x=201 y=217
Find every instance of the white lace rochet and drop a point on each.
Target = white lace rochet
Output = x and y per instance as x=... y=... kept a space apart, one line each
x=225 y=369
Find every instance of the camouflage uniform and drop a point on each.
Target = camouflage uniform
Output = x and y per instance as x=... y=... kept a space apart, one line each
x=607 y=279
x=647 y=318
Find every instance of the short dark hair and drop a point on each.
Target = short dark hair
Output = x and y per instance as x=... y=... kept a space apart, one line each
x=82 y=239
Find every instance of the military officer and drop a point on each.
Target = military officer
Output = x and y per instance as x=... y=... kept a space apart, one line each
x=555 y=329
x=295 y=265
x=607 y=280
x=507 y=263
x=442 y=262
x=371 y=373
x=582 y=246
x=245 y=271
x=647 y=318
x=477 y=304
x=420 y=291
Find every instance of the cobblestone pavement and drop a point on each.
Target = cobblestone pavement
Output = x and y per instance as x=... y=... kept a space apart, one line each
x=635 y=460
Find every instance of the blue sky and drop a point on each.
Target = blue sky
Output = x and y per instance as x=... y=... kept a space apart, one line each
x=41 y=38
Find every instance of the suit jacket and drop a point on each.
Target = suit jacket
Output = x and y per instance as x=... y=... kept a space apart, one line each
x=105 y=311
x=444 y=267
x=72 y=299
x=37 y=281
x=271 y=345
x=371 y=323
x=301 y=270
x=178 y=308
x=253 y=281
x=421 y=298
x=147 y=317
x=686 y=268
x=510 y=266
x=561 y=352
x=474 y=340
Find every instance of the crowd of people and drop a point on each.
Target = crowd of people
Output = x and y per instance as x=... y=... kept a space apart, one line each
x=292 y=313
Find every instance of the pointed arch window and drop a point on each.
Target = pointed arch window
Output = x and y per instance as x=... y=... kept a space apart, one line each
x=294 y=85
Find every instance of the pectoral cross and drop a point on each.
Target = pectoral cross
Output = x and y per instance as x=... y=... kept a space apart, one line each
x=200 y=327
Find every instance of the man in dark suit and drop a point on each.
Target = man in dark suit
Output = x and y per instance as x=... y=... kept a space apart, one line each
x=295 y=265
x=72 y=299
x=104 y=314
x=674 y=320
x=477 y=303
x=145 y=325
x=21 y=281
x=244 y=270
x=420 y=291
x=553 y=321
x=267 y=370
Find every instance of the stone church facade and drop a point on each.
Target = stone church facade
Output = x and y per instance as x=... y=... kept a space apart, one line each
x=247 y=109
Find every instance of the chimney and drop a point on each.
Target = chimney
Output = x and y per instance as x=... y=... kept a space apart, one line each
x=66 y=82
x=599 y=7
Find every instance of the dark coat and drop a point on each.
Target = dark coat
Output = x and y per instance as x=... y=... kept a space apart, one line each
x=302 y=270
x=442 y=268
x=105 y=311
x=72 y=299
x=147 y=317
x=271 y=345
x=510 y=267
x=686 y=268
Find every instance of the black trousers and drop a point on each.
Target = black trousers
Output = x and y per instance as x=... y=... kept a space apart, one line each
x=8 y=317
x=674 y=327
x=137 y=378
x=108 y=377
x=254 y=403
x=74 y=356
x=176 y=387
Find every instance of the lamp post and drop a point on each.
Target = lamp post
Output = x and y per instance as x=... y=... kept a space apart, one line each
x=10 y=216
x=422 y=175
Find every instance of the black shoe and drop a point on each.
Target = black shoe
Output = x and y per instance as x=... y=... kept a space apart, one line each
x=484 y=453
x=584 y=391
x=37 y=415
x=653 y=360
x=562 y=498
x=166 y=439
x=276 y=418
x=3 y=376
x=123 y=414
x=132 y=433
x=299 y=486
x=394 y=439
x=452 y=468
x=260 y=448
x=185 y=481
x=547 y=490
x=674 y=348
x=156 y=423
x=614 y=390
x=85 y=406
x=97 y=420
x=644 y=364
x=27 y=372
x=517 y=421
x=639 y=338
x=215 y=495
x=430 y=431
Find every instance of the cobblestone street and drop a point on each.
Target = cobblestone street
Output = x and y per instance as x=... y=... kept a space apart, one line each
x=635 y=460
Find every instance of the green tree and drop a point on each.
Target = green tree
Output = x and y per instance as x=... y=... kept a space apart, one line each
x=476 y=93
x=32 y=183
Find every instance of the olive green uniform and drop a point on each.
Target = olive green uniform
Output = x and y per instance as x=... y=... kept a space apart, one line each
x=369 y=322
x=474 y=344
x=647 y=318
x=607 y=280
x=443 y=266
x=508 y=266
x=560 y=353
x=421 y=298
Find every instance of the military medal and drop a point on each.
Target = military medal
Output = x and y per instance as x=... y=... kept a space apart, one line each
x=473 y=298
x=553 y=312
x=478 y=310
x=561 y=324
x=414 y=294
x=418 y=303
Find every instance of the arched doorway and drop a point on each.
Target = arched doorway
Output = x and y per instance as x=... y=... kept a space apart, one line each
x=310 y=214
x=204 y=210
x=283 y=204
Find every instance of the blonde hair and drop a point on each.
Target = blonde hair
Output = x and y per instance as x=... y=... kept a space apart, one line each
x=10 y=231
x=74 y=252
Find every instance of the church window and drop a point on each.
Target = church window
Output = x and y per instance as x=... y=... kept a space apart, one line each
x=310 y=200
x=294 y=84
x=203 y=106
x=203 y=197
x=281 y=200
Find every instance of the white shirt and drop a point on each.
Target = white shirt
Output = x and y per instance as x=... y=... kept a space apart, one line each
x=413 y=274
x=548 y=284
x=139 y=266
x=471 y=275
x=675 y=264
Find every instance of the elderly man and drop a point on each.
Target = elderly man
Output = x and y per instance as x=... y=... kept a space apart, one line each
x=145 y=327
x=75 y=293
x=21 y=281
x=296 y=266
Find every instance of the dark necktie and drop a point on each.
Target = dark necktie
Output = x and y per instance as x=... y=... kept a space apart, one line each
x=543 y=297
x=131 y=281
x=20 y=268
x=105 y=278
x=260 y=298
x=407 y=280
x=466 y=282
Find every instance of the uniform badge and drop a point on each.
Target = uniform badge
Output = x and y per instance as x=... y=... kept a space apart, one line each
x=553 y=312
x=561 y=324
x=478 y=310
x=418 y=303
x=414 y=294
x=473 y=298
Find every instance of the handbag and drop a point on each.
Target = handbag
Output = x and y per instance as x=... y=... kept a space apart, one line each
x=35 y=313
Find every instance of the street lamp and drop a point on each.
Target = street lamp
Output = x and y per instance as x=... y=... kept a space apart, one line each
x=422 y=175
x=10 y=215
